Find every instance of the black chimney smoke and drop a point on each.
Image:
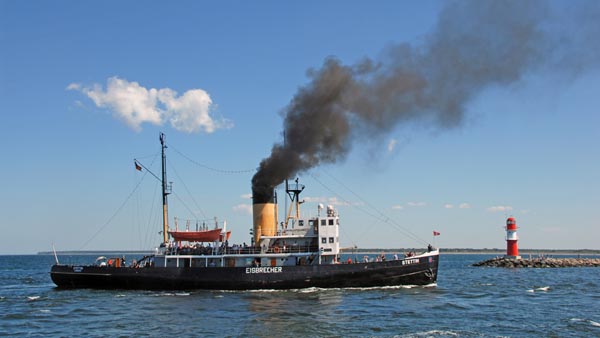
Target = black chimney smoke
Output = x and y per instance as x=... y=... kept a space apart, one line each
x=475 y=45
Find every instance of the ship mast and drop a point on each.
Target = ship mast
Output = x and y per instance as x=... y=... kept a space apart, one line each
x=165 y=190
x=293 y=192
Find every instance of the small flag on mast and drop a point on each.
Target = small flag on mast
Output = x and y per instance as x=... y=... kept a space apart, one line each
x=137 y=166
x=435 y=233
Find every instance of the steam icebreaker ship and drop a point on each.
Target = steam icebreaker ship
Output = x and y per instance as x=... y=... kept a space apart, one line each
x=299 y=253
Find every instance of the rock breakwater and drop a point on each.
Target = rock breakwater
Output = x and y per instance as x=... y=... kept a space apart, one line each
x=501 y=262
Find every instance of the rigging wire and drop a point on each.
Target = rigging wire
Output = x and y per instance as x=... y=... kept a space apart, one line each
x=115 y=213
x=151 y=214
x=148 y=156
x=185 y=205
x=140 y=220
x=188 y=191
x=347 y=235
x=344 y=200
x=138 y=214
x=381 y=217
x=211 y=168
x=385 y=217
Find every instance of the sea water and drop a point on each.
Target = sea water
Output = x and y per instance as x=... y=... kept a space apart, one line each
x=466 y=302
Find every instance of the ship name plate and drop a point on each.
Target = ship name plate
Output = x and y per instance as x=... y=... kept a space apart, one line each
x=268 y=269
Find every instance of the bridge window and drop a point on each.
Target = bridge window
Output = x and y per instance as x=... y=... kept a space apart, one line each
x=331 y=240
x=324 y=240
x=331 y=222
x=323 y=222
x=301 y=223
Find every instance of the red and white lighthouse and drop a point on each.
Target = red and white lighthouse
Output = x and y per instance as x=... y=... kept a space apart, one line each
x=512 y=249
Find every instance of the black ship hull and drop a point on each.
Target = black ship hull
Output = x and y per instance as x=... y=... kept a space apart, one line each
x=410 y=271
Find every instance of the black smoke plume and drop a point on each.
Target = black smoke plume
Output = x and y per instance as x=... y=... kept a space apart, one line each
x=475 y=45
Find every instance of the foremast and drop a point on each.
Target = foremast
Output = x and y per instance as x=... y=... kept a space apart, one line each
x=165 y=190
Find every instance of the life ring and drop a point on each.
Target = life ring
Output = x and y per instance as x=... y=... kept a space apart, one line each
x=276 y=249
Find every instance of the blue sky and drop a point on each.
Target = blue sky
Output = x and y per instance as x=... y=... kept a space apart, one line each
x=527 y=149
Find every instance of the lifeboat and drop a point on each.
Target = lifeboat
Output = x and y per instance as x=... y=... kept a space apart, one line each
x=200 y=236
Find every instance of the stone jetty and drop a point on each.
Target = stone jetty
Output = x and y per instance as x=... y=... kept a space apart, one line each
x=501 y=262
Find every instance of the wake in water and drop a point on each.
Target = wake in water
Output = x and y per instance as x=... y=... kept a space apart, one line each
x=172 y=294
x=543 y=289
x=316 y=289
x=585 y=321
x=432 y=333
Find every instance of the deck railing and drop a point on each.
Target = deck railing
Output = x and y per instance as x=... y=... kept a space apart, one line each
x=248 y=250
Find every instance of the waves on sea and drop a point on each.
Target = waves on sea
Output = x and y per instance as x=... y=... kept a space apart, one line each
x=466 y=302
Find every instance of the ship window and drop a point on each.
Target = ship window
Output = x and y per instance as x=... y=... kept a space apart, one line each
x=323 y=222
x=331 y=240
x=331 y=222
x=301 y=223
x=324 y=240
x=311 y=222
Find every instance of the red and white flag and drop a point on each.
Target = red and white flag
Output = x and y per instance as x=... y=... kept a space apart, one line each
x=435 y=233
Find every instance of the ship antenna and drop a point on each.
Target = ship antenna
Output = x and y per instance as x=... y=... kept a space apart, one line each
x=293 y=192
x=166 y=190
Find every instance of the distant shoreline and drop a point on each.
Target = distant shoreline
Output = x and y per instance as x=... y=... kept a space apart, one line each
x=446 y=251
x=525 y=252
x=97 y=252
